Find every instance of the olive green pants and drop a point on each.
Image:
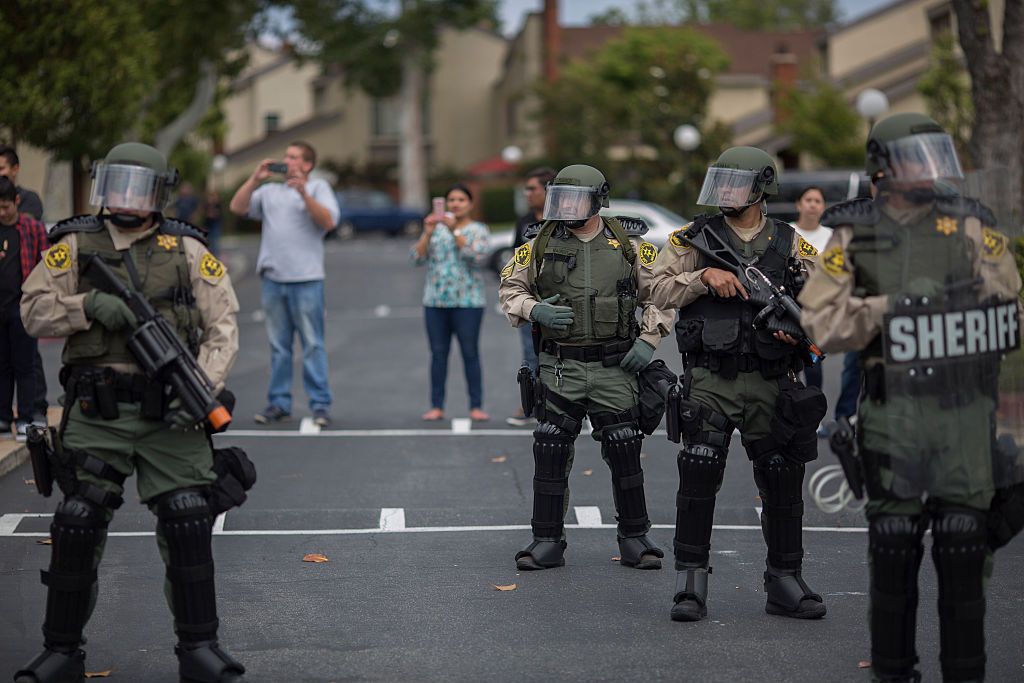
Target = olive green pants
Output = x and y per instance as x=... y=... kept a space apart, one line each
x=747 y=401
x=164 y=460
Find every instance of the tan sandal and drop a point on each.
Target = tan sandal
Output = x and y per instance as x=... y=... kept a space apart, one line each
x=433 y=415
x=477 y=415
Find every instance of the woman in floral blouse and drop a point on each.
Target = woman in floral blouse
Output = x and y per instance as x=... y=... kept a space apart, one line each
x=454 y=248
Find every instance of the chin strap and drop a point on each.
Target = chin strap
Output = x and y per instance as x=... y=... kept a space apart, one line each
x=124 y=220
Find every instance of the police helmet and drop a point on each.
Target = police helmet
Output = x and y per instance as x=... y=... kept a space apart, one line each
x=577 y=193
x=132 y=176
x=911 y=147
x=740 y=177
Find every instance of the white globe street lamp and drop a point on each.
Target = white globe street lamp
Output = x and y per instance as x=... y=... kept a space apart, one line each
x=871 y=104
x=686 y=137
x=512 y=154
x=219 y=163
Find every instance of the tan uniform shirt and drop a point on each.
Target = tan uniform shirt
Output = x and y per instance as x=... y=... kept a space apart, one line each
x=839 y=321
x=51 y=306
x=515 y=294
x=676 y=276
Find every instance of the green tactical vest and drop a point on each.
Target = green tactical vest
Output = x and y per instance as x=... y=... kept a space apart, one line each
x=597 y=280
x=163 y=272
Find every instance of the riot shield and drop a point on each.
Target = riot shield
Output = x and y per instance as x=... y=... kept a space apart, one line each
x=942 y=405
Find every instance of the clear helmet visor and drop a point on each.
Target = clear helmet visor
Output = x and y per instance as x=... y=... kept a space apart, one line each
x=931 y=156
x=124 y=186
x=568 y=203
x=729 y=187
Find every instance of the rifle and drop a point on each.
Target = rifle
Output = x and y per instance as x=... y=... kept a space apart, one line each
x=777 y=310
x=160 y=353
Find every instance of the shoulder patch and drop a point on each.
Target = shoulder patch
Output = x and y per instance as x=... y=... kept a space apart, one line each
x=993 y=244
x=58 y=258
x=648 y=254
x=507 y=270
x=210 y=269
x=522 y=257
x=834 y=262
x=84 y=223
x=676 y=238
x=805 y=248
x=861 y=211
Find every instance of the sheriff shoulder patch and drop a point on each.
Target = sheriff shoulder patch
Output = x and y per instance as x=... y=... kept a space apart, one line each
x=210 y=268
x=58 y=258
x=507 y=270
x=805 y=248
x=648 y=254
x=522 y=257
x=834 y=262
x=993 y=244
x=168 y=242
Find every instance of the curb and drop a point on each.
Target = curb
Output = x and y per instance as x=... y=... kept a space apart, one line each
x=11 y=460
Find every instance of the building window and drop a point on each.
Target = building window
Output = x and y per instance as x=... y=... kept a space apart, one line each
x=319 y=97
x=271 y=122
x=940 y=19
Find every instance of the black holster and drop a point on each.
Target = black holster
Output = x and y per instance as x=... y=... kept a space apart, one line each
x=672 y=403
x=656 y=380
x=527 y=390
x=236 y=474
x=50 y=462
x=843 y=443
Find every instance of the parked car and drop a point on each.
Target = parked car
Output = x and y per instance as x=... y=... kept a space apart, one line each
x=374 y=211
x=661 y=223
x=838 y=186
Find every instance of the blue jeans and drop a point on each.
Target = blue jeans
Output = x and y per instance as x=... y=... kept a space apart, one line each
x=464 y=323
x=849 y=390
x=296 y=307
x=529 y=356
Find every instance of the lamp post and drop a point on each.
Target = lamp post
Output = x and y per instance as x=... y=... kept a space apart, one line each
x=686 y=137
x=871 y=104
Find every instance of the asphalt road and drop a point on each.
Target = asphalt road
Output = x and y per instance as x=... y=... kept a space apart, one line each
x=421 y=522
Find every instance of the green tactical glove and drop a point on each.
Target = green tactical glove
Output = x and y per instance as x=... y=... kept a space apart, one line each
x=638 y=357
x=108 y=310
x=554 y=317
x=178 y=417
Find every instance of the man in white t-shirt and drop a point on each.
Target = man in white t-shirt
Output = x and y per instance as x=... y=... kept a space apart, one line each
x=296 y=216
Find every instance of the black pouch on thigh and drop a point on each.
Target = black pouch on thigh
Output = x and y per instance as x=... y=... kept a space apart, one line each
x=236 y=474
x=655 y=381
x=798 y=412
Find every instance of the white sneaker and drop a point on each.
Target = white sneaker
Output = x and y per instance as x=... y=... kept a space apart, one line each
x=21 y=433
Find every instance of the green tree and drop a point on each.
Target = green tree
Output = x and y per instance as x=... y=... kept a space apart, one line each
x=823 y=124
x=385 y=48
x=619 y=109
x=946 y=89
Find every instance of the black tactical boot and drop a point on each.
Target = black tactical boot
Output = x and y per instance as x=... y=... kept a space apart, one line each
x=789 y=596
x=691 y=598
x=541 y=555
x=206 y=662
x=54 y=666
x=639 y=552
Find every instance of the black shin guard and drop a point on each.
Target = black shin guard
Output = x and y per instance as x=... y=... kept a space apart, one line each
x=620 y=447
x=552 y=452
x=895 y=550
x=780 y=484
x=78 y=528
x=701 y=470
x=959 y=538
x=187 y=525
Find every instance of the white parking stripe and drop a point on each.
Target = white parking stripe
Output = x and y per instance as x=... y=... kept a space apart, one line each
x=588 y=517
x=218 y=524
x=462 y=425
x=392 y=519
x=307 y=426
x=378 y=433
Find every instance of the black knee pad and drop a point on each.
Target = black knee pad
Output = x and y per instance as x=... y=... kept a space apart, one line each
x=780 y=484
x=79 y=526
x=959 y=549
x=621 y=449
x=552 y=450
x=186 y=523
x=894 y=546
x=701 y=471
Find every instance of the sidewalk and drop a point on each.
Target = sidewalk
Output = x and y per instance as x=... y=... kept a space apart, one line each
x=12 y=453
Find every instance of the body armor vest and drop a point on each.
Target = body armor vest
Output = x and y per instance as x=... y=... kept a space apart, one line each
x=893 y=259
x=164 y=278
x=718 y=333
x=597 y=281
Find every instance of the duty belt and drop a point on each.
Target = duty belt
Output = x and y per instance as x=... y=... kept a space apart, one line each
x=591 y=353
x=728 y=365
x=128 y=387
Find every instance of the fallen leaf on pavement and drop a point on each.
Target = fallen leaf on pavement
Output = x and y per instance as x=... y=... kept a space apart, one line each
x=863 y=664
x=643 y=456
x=98 y=674
x=587 y=473
x=315 y=557
x=45 y=541
x=500 y=458
x=30 y=482
x=510 y=587
x=616 y=558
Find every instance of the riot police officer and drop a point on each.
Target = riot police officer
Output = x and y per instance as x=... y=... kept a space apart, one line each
x=579 y=281
x=919 y=281
x=117 y=421
x=739 y=377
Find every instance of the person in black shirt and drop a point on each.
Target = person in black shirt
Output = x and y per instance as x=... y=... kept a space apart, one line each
x=536 y=192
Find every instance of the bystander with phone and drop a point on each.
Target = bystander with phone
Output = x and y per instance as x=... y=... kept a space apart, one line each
x=297 y=214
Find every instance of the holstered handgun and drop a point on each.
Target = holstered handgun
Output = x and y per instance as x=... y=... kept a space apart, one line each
x=672 y=403
x=843 y=443
x=527 y=390
x=39 y=454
